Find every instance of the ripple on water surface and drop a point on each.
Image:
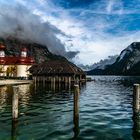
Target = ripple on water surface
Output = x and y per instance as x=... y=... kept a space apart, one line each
x=105 y=107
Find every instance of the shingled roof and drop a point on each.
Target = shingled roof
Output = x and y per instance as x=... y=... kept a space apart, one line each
x=56 y=68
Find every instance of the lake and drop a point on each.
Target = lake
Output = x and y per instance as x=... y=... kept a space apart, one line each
x=105 y=112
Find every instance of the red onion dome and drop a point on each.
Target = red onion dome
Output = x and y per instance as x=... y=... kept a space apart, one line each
x=2 y=47
x=24 y=49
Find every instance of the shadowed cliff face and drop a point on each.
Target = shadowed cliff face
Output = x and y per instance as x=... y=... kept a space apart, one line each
x=127 y=63
x=39 y=52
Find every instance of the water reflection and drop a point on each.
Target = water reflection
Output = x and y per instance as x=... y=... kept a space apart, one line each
x=136 y=126
x=57 y=87
x=25 y=94
x=7 y=91
x=76 y=128
x=6 y=98
x=3 y=96
x=105 y=112
x=14 y=130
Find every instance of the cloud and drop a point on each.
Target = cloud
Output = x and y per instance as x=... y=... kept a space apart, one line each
x=20 y=22
x=109 y=6
x=114 y=6
x=105 y=30
x=84 y=34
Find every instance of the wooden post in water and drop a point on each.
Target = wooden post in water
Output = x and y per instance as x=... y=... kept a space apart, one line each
x=53 y=83
x=34 y=78
x=69 y=82
x=76 y=100
x=37 y=80
x=43 y=81
x=76 y=110
x=35 y=83
x=59 y=82
x=66 y=82
x=15 y=103
x=136 y=95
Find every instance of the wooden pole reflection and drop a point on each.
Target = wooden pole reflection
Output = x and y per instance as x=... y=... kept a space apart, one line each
x=76 y=111
x=136 y=126
x=14 y=130
x=15 y=100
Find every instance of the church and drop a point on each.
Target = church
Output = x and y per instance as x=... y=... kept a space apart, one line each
x=15 y=66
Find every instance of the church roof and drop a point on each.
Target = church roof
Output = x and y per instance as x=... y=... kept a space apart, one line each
x=15 y=60
x=12 y=60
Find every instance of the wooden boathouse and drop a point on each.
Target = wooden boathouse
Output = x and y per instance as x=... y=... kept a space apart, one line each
x=57 y=71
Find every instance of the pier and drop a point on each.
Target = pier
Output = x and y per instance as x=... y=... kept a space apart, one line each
x=76 y=108
x=57 y=72
x=14 y=82
x=16 y=105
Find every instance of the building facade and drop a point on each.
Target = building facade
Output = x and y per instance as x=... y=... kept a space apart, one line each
x=15 y=66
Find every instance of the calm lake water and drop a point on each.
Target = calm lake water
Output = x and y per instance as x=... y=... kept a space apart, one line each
x=105 y=108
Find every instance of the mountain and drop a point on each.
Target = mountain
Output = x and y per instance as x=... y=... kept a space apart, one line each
x=127 y=63
x=101 y=64
x=39 y=52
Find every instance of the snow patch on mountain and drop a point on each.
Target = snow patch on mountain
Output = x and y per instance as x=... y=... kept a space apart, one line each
x=101 y=64
x=127 y=51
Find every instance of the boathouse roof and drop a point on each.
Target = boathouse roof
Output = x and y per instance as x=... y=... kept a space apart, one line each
x=56 y=68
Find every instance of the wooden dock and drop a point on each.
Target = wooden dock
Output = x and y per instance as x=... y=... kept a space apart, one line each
x=14 y=82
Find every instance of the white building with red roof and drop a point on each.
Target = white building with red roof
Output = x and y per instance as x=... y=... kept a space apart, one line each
x=15 y=66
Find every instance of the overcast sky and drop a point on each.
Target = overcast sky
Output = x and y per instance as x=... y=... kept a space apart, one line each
x=92 y=29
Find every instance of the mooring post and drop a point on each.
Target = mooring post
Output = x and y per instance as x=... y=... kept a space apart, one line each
x=65 y=80
x=53 y=83
x=59 y=83
x=15 y=103
x=43 y=81
x=37 y=80
x=76 y=99
x=76 y=110
x=69 y=82
x=136 y=94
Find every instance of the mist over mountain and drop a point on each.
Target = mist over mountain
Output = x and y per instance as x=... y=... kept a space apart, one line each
x=39 y=52
x=127 y=63
x=17 y=21
x=102 y=64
